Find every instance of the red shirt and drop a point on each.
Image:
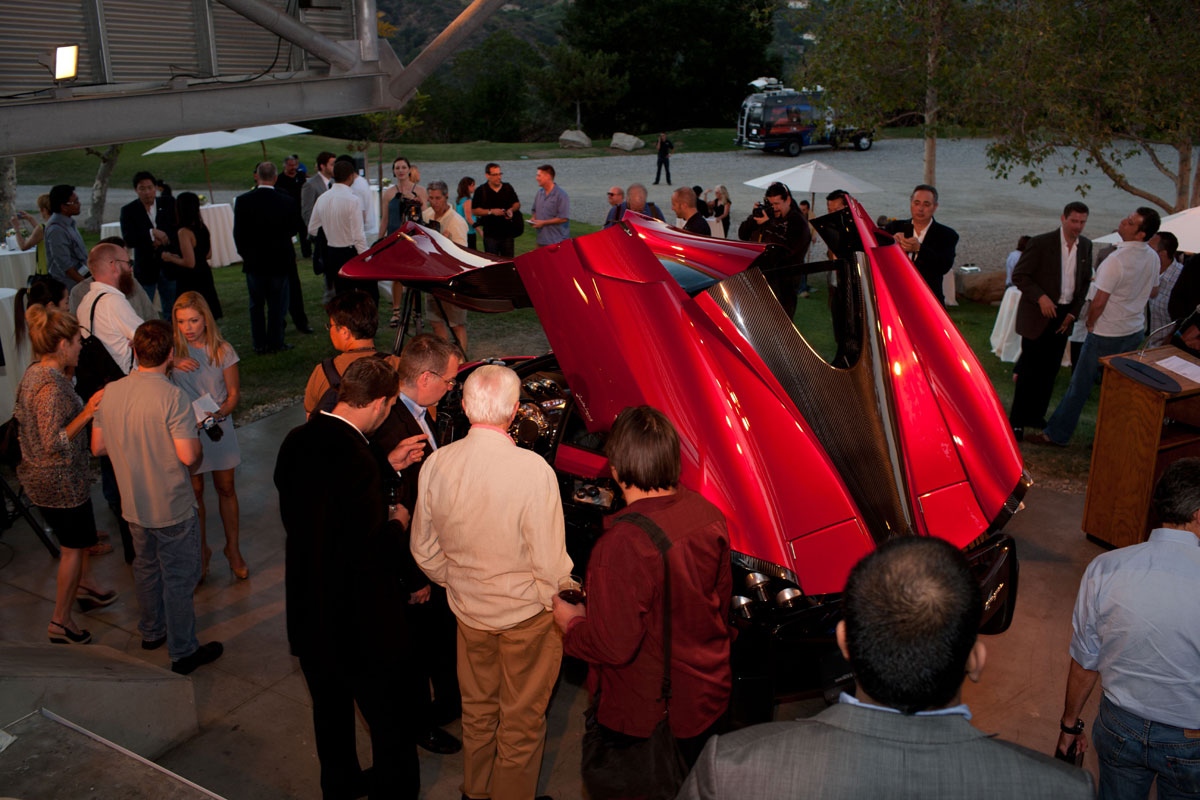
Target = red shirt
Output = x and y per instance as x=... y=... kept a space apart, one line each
x=621 y=636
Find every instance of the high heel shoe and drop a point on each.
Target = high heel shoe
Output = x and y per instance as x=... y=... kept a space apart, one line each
x=90 y=599
x=242 y=572
x=61 y=634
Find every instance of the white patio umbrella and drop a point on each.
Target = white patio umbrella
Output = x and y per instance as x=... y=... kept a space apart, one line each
x=260 y=133
x=202 y=142
x=813 y=177
x=1184 y=224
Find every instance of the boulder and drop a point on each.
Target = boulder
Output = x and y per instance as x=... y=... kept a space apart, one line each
x=982 y=287
x=626 y=141
x=574 y=139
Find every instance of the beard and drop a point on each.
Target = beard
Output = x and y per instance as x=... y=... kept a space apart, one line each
x=125 y=282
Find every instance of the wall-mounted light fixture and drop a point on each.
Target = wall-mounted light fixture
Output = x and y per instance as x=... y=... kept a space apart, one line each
x=62 y=61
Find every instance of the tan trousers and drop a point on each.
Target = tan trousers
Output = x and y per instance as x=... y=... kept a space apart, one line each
x=506 y=678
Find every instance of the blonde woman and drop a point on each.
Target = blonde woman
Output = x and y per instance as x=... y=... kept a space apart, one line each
x=197 y=338
x=54 y=462
x=38 y=233
x=720 y=206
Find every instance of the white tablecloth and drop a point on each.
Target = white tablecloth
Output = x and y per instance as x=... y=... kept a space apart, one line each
x=218 y=218
x=1005 y=341
x=950 y=288
x=109 y=229
x=15 y=361
x=16 y=266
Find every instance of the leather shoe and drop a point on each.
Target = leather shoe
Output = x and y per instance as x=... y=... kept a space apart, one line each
x=1041 y=438
x=283 y=348
x=304 y=328
x=205 y=654
x=436 y=740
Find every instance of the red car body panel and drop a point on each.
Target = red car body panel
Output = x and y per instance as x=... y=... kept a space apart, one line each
x=625 y=332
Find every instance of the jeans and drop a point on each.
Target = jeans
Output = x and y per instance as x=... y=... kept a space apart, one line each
x=272 y=291
x=165 y=573
x=1064 y=419
x=167 y=290
x=498 y=245
x=663 y=163
x=1133 y=750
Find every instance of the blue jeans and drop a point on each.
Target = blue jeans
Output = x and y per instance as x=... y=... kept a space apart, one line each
x=167 y=291
x=165 y=573
x=1133 y=750
x=1062 y=423
x=271 y=291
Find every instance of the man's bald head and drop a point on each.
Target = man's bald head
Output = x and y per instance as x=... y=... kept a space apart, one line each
x=110 y=264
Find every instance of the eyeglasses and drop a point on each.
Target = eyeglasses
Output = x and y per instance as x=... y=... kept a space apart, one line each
x=495 y=174
x=450 y=382
x=121 y=261
x=612 y=194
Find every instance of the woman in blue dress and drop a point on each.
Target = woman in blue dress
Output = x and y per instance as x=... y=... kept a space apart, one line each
x=197 y=338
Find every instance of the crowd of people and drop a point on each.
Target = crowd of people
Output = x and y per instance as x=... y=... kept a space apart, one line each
x=470 y=534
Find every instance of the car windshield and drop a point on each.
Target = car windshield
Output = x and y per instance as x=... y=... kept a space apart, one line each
x=692 y=279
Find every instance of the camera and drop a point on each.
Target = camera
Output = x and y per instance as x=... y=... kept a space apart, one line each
x=211 y=427
x=764 y=209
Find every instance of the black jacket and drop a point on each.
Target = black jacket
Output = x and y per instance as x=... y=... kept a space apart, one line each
x=264 y=221
x=135 y=230
x=1039 y=272
x=792 y=231
x=936 y=256
x=341 y=552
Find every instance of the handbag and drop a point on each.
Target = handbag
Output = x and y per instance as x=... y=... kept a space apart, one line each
x=627 y=767
x=96 y=366
x=516 y=224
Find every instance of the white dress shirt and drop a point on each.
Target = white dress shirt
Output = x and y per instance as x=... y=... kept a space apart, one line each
x=362 y=190
x=339 y=213
x=453 y=226
x=116 y=322
x=1066 y=292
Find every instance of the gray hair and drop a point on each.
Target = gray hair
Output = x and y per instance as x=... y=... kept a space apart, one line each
x=635 y=187
x=266 y=171
x=438 y=186
x=490 y=395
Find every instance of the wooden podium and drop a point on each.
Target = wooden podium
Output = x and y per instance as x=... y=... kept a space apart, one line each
x=1139 y=432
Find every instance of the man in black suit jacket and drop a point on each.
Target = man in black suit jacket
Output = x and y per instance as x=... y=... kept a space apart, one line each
x=929 y=244
x=344 y=543
x=264 y=221
x=148 y=225
x=912 y=612
x=1047 y=311
x=427 y=368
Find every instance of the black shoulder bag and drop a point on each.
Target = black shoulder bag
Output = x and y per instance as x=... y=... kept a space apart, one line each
x=96 y=367
x=619 y=766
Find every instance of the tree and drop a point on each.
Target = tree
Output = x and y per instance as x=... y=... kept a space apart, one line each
x=688 y=60
x=574 y=78
x=388 y=126
x=883 y=62
x=108 y=162
x=8 y=189
x=1096 y=82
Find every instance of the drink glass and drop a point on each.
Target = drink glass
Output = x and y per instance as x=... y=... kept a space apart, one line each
x=570 y=590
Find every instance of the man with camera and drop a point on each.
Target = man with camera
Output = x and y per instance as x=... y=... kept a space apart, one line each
x=777 y=220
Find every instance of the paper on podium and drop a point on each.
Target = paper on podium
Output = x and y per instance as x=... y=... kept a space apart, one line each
x=1180 y=367
x=204 y=406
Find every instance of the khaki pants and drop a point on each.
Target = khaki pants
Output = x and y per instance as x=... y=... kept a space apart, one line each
x=506 y=678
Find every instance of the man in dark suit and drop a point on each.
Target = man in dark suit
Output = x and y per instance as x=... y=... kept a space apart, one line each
x=343 y=545
x=148 y=225
x=929 y=244
x=912 y=612
x=264 y=221
x=428 y=366
x=1053 y=274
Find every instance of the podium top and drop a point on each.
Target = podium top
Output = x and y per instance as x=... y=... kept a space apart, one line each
x=1153 y=356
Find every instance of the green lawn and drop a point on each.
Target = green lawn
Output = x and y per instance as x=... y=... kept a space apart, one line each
x=230 y=167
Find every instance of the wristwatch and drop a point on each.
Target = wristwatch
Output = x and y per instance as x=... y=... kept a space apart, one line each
x=1074 y=730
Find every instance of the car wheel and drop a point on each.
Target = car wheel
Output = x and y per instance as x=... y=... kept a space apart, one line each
x=792 y=148
x=863 y=142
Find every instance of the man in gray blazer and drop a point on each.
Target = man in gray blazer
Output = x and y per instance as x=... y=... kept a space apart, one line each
x=912 y=613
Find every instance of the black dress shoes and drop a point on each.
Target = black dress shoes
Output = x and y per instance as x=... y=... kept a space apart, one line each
x=304 y=328
x=206 y=654
x=436 y=740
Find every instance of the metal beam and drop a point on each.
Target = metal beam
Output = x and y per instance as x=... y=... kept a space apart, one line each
x=45 y=125
x=206 y=39
x=287 y=27
x=97 y=38
x=405 y=84
x=366 y=28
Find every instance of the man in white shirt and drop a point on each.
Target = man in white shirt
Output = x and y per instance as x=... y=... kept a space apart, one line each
x=488 y=525
x=454 y=228
x=1116 y=319
x=313 y=188
x=338 y=212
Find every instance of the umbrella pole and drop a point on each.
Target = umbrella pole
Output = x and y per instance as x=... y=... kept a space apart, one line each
x=207 y=179
x=263 y=142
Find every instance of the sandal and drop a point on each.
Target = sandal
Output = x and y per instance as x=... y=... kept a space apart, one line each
x=394 y=322
x=61 y=634
x=99 y=549
x=90 y=599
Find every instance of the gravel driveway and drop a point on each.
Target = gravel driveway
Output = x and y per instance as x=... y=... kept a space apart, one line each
x=988 y=214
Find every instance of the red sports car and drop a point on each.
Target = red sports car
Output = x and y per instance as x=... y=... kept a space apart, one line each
x=814 y=459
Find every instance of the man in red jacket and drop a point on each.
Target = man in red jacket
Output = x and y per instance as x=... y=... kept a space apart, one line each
x=619 y=631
